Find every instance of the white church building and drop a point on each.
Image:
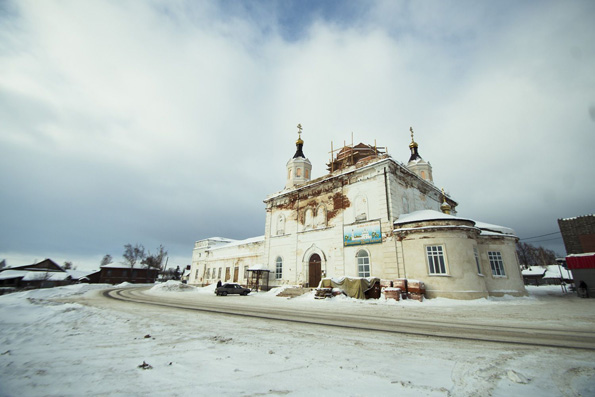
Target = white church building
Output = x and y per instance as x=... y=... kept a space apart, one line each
x=370 y=216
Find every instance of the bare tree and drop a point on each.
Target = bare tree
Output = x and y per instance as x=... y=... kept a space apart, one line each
x=530 y=255
x=107 y=259
x=133 y=254
x=67 y=265
x=155 y=261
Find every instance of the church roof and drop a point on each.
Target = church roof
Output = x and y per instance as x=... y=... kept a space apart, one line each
x=427 y=215
x=486 y=229
x=350 y=155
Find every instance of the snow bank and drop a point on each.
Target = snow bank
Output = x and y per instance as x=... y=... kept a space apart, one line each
x=173 y=286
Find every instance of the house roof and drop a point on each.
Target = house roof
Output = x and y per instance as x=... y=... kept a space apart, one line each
x=26 y=275
x=124 y=266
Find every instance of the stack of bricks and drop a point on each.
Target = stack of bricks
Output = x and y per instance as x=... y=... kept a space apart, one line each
x=388 y=291
x=416 y=290
x=322 y=293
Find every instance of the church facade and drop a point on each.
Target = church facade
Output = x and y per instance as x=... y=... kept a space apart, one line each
x=370 y=216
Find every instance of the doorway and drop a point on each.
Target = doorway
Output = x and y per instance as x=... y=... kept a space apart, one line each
x=314 y=271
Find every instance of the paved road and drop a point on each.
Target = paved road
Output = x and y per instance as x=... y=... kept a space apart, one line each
x=443 y=328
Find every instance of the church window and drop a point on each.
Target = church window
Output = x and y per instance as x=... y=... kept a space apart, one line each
x=320 y=216
x=280 y=225
x=436 y=262
x=496 y=263
x=309 y=219
x=476 y=254
x=423 y=174
x=208 y=273
x=363 y=263
x=361 y=208
x=306 y=173
x=298 y=172
x=279 y=268
x=219 y=274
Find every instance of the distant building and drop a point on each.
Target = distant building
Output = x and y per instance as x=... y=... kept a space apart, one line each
x=116 y=273
x=44 y=274
x=578 y=234
x=370 y=216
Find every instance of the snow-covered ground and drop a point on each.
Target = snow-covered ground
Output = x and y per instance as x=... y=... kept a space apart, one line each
x=70 y=341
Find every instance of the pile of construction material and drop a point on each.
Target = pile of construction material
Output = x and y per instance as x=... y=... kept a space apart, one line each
x=403 y=288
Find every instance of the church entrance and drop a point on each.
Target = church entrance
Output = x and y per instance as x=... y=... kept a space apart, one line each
x=314 y=271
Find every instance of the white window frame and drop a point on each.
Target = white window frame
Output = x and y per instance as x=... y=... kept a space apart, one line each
x=279 y=268
x=436 y=253
x=363 y=263
x=477 y=261
x=496 y=264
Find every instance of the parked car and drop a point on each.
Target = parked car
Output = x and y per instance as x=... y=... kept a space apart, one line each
x=231 y=288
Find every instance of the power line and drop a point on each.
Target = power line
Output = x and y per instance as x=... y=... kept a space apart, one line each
x=543 y=235
x=547 y=239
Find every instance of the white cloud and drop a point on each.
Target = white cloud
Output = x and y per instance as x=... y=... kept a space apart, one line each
x=169 y=122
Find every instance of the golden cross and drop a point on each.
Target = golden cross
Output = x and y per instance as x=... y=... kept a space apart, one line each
x=411 y=129
x=299 y=127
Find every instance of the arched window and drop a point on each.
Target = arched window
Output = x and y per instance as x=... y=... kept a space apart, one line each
x=298 y=172
x=280 y=224
x=279 y=268
x=309 y=219
x=306 y=173
x=320 y=221
x=363 y=263
x=423 y=174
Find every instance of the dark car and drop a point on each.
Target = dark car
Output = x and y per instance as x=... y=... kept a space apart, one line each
x=231 y=288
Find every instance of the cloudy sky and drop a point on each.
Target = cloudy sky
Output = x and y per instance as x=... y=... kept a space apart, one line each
x=164 y=122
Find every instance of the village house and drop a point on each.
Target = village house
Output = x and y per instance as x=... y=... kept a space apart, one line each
x=44 y=274
x=116 y=273
x=369 y=216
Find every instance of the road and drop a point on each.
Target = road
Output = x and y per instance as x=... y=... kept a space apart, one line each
x=432 y=324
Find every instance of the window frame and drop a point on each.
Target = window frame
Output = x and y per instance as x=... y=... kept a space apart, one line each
x=278 y=268
x=477 y=260
x=433 y=252
x=496 y=264
x=363 y=268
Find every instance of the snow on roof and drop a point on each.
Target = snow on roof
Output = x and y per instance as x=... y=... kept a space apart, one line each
x=583 y=254
x=555 y=271
x=550 y=271
x=8 y=274
x=28 y=275
x=78 y=274
x=235 y=243
x=427 y=215
x=124 y=266
x=222 y=239
x=52 y=276
x=576 y=217
x=487 y=229
x=534 y=271
x=494 y=228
